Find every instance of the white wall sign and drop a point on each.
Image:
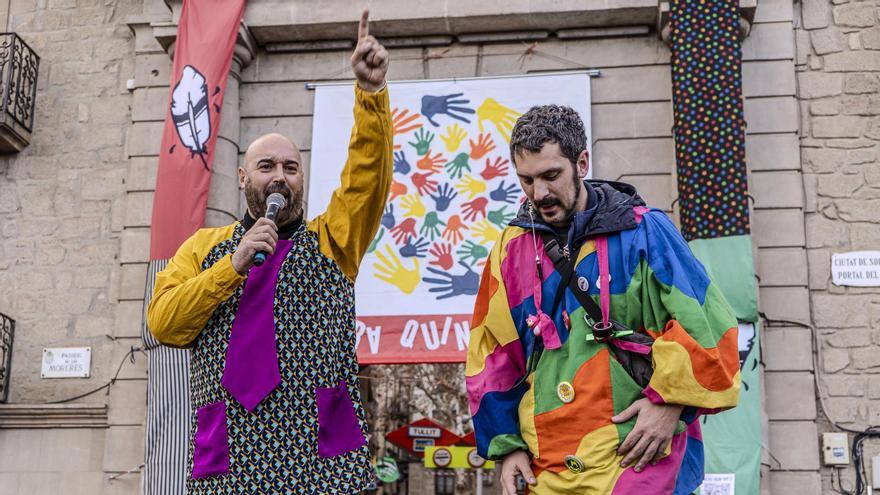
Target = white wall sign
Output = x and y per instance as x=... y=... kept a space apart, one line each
x=66 y=362
x=424 y=431
x=718 y=484
x=856 y=269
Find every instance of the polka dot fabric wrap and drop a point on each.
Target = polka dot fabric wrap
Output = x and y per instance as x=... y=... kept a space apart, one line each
x=709 y=125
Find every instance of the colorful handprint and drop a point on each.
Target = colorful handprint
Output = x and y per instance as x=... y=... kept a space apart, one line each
x=433 y=164
x=458 y=165
x=497 y=169
x=500 y=217
x=397 y=189
x=391 y=270
x=453 y=231
x=442 y=253
x=414 y=206
x=503 y=117
x=483 y=145
x=401 y=165
x=454 y=285
x=423 y=141
x=445 y=105
x=417 y=249
x=388 y=217
x=431 y=226
x=474 y=208
x=471 y=186
x=404 y=230
x=424 y=184
x=473 y=251
x=454 y=135
x=444 y=197
x=504 y=193
x=375 y=243
x=485 y=232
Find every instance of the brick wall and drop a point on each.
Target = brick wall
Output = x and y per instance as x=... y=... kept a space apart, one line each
x=838 y=45
x=61 y=213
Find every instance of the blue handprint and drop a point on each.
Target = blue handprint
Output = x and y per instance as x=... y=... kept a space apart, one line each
x=401 y=165
x=454 y=285
x=388 y=218
x=417 y=250
x=448 y=104
x=504 y=193
x=444 y=197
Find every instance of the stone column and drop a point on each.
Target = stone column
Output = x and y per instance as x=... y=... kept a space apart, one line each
x=223 y=197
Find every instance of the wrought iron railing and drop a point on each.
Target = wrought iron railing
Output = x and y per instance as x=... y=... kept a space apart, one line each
x=19 y=66
x=7 y=332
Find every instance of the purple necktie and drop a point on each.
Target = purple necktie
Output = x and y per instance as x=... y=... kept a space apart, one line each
x=251 y=371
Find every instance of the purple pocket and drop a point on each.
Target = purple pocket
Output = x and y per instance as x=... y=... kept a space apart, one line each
x=338 y=428
x=211 y=445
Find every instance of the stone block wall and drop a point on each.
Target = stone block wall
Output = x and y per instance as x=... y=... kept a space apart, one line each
x=62 y=211
x=838 y=73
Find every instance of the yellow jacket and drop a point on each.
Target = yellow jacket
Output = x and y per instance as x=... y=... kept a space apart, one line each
x=185 y=296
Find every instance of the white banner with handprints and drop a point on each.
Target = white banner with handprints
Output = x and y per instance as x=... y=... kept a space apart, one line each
x=454 y=187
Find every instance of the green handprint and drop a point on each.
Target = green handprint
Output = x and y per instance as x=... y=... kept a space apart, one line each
x=500 y=217
x=472 y=250
x=430 y=227
x=376 y=241
x=423 y=141
x=458 y=165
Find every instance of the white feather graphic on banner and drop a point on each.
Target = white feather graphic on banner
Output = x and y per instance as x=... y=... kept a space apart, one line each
x=190 y=113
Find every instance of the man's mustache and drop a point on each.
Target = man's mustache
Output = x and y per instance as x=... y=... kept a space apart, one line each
x=547 y=202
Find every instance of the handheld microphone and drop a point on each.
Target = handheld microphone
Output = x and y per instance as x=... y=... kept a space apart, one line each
x=274 y=202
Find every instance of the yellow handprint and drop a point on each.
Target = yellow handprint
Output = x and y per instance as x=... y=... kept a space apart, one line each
x=392 y=271
x=454 y=136
x=503 y=117
x=471 y=186
x=413 y=204
x=486 y=233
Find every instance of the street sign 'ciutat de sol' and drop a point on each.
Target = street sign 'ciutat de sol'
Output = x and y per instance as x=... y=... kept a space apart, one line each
x=856 y=269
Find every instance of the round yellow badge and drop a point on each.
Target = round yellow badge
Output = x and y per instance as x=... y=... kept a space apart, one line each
x=565 y=392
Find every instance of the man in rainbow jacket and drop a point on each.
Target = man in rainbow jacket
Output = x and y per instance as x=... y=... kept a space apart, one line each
x=554 y=393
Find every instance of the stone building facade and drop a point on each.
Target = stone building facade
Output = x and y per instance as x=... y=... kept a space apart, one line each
x=75 y=205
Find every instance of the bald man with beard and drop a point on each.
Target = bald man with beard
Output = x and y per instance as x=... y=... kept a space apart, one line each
x=274 y=391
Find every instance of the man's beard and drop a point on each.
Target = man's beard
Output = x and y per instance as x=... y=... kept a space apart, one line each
x=567 y=211
x=256 y=201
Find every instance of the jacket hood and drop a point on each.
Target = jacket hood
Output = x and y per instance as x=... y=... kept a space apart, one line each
x=609 y=209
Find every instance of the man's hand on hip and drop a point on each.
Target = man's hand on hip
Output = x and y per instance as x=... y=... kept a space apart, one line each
x=370 y=59
x=261 y=237
x=655 y=425
x=516 y=462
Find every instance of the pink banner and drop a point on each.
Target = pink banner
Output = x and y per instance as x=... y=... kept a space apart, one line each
x=413 y=339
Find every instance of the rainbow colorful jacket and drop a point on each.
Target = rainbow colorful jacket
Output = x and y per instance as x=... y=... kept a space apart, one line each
x=561 y=411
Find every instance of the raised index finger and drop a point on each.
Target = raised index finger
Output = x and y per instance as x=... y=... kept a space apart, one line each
x=364 y=26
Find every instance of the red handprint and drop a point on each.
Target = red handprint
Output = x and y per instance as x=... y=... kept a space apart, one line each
x=400 y=123
x=424 y=185
x=473 y=208
x=454 y=226
x=443 y=254
x=431 y=164
x=397 y=189
x=483 y=145
x=497 y=169
x=404 y=230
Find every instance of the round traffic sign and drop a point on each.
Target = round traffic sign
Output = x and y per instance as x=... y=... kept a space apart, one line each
x=442 y=457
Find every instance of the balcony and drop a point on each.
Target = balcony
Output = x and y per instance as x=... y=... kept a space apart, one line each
x=19 y=66
x=7 y=332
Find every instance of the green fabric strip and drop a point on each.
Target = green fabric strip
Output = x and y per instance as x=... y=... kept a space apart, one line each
x=729 y=262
